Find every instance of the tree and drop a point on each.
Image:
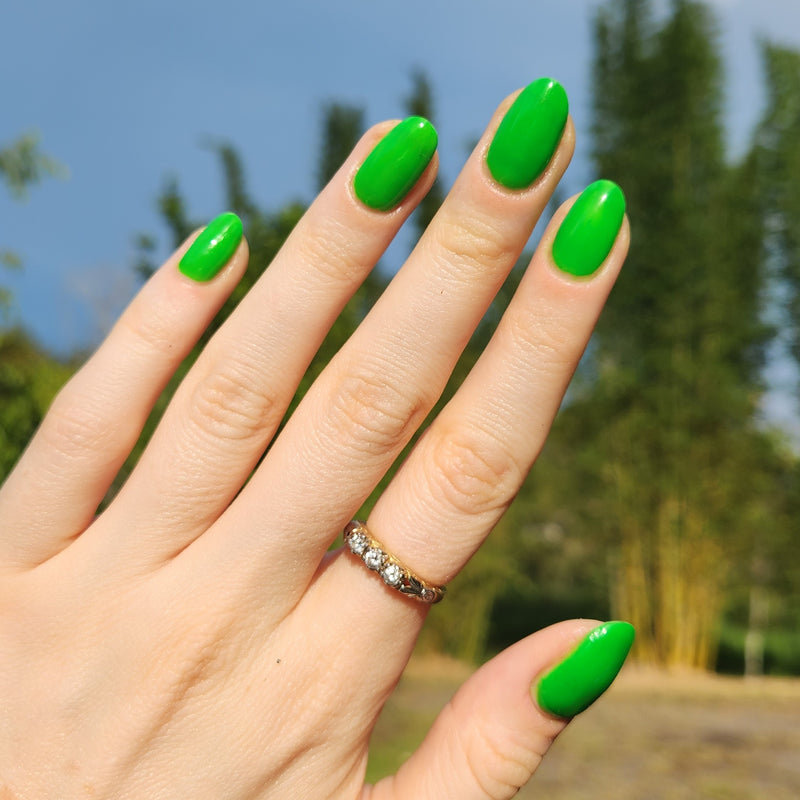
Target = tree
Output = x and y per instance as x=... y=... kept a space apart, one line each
x=680 y=349
x=776 y=158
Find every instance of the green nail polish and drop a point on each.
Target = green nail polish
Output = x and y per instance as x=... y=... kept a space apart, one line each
x=573 y=685
x=528 y=134
x=396 y=163
x=213 y=248
x=590 y=229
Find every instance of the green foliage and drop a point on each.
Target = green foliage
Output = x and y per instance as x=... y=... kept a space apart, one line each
x=29 y=379
x=781 y=651
x=23 y=164
x=19 y=412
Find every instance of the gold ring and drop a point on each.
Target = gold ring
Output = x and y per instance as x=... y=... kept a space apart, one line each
x=396 y=576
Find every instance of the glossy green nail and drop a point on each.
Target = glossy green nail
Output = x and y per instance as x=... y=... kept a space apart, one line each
x=396 y=163
x=573 y=685
x=590 y=229
x=528 y=134
x=213 y=248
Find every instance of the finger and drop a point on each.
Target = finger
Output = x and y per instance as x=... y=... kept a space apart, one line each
x=366 y=405
x=494 y=733
x=470 y=464
x=97 y=417
x=232 y=401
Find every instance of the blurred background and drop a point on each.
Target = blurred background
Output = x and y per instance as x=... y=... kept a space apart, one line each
x=669 y=491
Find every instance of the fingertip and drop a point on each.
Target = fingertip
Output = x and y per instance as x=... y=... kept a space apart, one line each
x=579 y=678
x=213 y=248
x=588 y=237
x=400 y=156
x=530 y=138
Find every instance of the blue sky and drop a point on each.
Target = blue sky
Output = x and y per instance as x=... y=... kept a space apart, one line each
x=123 y=94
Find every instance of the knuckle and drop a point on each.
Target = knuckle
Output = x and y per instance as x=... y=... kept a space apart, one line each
x=473 y=472
x=232 y=404
x=548 y=343
x=331 y=249
x=151 y=329
x=471 y=243
x=73 y=428
x=376 y=415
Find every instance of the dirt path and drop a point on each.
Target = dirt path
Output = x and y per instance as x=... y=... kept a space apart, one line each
x=670 y=738
x=652 y=737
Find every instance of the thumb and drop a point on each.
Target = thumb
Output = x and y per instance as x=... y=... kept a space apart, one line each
x=491 y=737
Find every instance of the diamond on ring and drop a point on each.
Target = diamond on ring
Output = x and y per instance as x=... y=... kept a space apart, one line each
x=358 y=543
x=374 y=558
x=372 y=553
x=392 y=575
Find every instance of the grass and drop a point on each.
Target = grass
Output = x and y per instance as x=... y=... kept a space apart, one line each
x=653 y=736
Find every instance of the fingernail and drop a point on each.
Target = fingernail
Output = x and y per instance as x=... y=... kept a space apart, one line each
x=590 y=229
x=573 y=685
x=213 y=248
x=528 y=134
x=396 y=163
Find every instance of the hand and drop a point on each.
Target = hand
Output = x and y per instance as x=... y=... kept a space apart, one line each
x=197 y=639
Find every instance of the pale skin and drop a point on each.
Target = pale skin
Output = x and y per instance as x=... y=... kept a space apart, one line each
x=195 y=640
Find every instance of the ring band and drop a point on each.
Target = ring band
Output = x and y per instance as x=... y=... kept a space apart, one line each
x=394 y=574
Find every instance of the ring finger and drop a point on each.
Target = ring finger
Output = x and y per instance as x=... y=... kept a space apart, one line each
x=470 y=464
